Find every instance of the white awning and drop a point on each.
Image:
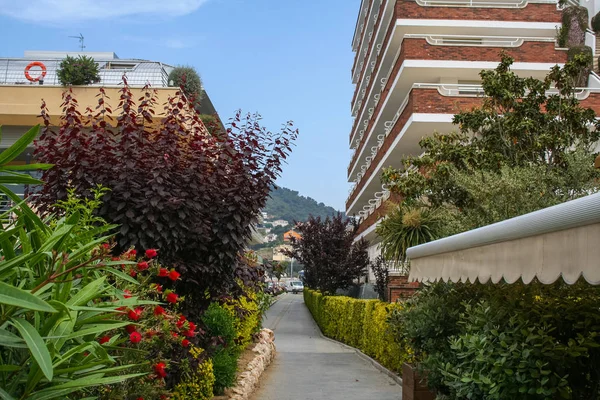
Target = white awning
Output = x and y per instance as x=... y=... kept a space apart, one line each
x=563 y=240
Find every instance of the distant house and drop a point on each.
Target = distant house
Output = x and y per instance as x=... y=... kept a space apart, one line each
x=280 y=222
x=291 y=234
x=270 y=238
x=278 y=253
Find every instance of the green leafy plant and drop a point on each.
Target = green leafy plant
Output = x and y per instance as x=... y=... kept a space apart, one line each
x=505 y=341
x=360 y=323
x=407 y=226
x=225 y=369
x=53 y=286
x=188 y=79
x=82 y=70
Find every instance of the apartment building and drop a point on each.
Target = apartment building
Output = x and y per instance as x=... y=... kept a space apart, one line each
x=417 y=64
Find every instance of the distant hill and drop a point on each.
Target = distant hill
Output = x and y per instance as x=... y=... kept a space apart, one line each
x=289 y=205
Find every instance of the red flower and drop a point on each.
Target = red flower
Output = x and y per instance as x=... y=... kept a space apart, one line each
x=126 y=294
x=142 y=266
x=115 y=259
x=185 y=343
x=130 y=328
x=181 y=321
x=189 y=333
x=133 y=273
x=140 y=398
x=175 y=334
x=159 y=369
x=192 y=326
x=159 y=288
x=158 y=310
x=135 y=315
x=135 y=337
x=172 y=297
x=106 y=246
x=132 y=253
x=151 y=253
x=104 y=339
x=163 y=272
x=174 y=275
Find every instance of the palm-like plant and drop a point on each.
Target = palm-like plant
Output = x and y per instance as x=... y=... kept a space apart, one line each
x=407 y=226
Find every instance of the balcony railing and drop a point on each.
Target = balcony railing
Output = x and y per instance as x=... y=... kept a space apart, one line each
x=138 y=73
x=481 y=4
x=410 y=42
x=464 y=91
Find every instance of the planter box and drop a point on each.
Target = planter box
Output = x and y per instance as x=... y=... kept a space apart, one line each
x=412 y=387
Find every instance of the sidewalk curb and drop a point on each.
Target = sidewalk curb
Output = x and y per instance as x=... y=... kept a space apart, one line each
x=362 y=355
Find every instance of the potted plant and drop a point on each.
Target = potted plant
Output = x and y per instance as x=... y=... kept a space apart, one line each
x=82 y=70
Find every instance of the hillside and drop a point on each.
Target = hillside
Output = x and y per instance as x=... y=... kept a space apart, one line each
x=289 y=205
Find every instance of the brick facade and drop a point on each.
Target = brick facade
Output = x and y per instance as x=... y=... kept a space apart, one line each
x=400 y=288
x=419 y=49
x=408 y=9
x=532 y=12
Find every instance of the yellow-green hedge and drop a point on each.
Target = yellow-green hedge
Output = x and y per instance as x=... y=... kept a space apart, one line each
x=359 y=323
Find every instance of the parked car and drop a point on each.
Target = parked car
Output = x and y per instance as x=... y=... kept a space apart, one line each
x=296 y=287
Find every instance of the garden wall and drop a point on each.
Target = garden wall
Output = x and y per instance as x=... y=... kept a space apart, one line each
x=359 y=323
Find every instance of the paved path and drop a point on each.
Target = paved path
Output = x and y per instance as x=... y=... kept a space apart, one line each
x=308 y=367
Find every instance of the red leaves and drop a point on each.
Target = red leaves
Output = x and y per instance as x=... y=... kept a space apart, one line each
x=195 y=204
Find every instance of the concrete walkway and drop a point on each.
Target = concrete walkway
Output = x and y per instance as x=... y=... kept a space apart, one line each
x=308 y=367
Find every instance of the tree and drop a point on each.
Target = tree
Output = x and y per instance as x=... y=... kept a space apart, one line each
x=173 y=186
x=82 y=70
x=331 y=258
x=382 y=277
x=524 y=149
x=189 y=81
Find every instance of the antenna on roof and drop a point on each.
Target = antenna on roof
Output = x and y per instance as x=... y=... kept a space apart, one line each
x=80 y=37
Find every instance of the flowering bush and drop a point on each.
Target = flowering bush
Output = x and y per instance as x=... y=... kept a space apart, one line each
x=156 y=329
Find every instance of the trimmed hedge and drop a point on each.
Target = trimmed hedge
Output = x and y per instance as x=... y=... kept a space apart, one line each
x=359 y=323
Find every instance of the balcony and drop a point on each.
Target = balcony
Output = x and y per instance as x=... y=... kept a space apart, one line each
x=426 y=109
x=369 y=27
x=449 y=17
x=453 y=58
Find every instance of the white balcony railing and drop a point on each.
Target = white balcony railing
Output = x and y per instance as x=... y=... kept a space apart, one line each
x=434 y=40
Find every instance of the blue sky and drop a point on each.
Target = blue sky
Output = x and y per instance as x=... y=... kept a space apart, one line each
x=287 y=59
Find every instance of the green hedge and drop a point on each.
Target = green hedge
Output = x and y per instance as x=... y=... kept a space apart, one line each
x=359 y=323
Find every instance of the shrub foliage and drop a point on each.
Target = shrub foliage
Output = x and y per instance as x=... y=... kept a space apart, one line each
x=331 y=258
x=172 y=185
x=82 y=70
x=361 y=324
